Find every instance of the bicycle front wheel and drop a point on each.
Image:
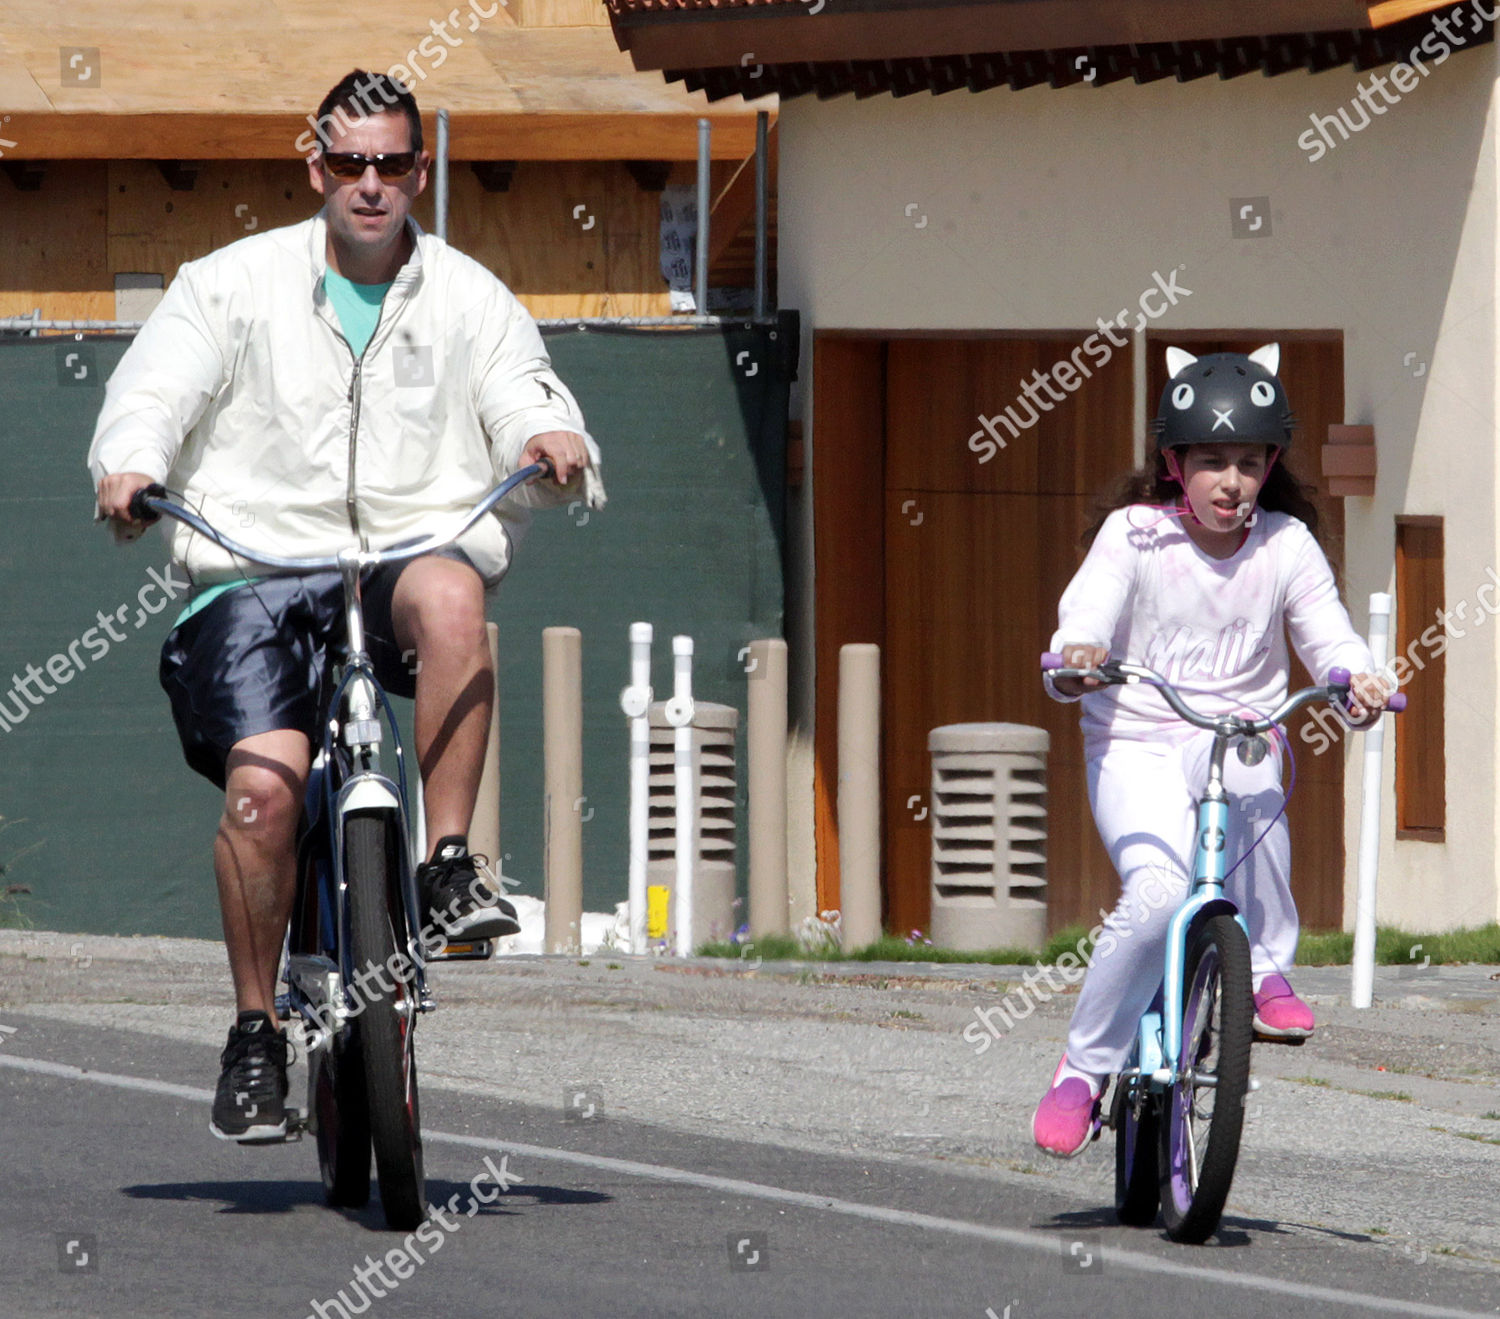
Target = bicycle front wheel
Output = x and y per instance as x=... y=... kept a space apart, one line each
x=1205 y=1106
x=341 y=1120
x=1136 y=1118
x=384 y=1025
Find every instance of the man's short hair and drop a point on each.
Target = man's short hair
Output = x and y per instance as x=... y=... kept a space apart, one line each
x=358 y=95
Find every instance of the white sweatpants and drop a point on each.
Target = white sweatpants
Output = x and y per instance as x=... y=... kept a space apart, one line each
x=1143 y=796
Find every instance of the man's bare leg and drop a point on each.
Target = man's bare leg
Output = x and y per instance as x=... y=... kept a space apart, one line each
x=255 y=859
x=438 y=613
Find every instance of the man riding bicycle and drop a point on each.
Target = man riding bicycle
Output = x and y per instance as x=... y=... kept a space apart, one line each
x=349 y=377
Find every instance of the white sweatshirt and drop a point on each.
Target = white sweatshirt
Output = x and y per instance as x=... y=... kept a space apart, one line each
x=241 y=392
x=1214 y=627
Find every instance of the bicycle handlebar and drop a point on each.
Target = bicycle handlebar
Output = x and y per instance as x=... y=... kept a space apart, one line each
x=1118 y=672
x=150 y=502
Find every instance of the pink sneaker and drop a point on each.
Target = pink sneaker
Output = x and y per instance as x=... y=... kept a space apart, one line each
x=1067 y=1118
x=1279 y=1013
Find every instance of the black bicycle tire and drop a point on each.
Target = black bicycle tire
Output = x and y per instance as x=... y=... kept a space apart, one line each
x=1194 y=1218
x=1137 y=1186
x=385 y=1041
x=341 y=1119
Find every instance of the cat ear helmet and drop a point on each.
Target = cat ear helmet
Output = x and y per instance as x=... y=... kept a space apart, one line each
x=1223 y=398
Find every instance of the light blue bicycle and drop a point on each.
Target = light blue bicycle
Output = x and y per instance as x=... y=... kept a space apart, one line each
x=1178 y=1106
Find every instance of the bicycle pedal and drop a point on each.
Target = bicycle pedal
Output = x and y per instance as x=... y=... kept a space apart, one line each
x=296 y=1124
x=1295 y=1040
x=474 y=950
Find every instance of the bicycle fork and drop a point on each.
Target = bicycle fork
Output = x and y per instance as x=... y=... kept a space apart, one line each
x=1160 y=1042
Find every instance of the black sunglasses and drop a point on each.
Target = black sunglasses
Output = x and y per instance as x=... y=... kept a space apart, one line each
x=390 y=165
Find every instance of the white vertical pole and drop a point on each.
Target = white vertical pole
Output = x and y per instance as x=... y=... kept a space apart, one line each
x=635 y=700
x=680 y=715
x=1369 y=823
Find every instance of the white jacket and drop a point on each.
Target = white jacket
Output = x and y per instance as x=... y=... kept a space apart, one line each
x=242 y=394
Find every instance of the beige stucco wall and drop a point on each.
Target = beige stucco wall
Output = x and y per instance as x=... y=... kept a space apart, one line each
x=1048 y=209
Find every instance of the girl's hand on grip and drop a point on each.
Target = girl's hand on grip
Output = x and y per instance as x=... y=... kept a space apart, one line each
x=1368 y=695
x=1080 y=657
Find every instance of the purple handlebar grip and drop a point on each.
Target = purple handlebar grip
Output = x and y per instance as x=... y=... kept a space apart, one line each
x=1051 y=660
x=1397 y=703
x=1338 y=677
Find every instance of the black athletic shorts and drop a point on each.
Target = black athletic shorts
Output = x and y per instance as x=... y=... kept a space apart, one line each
x=252 y=660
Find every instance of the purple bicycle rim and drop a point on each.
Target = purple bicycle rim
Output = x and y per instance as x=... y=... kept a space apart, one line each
x=1182 y=1096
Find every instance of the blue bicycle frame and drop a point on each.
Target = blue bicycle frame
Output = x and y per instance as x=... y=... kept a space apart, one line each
x=1159 y=1042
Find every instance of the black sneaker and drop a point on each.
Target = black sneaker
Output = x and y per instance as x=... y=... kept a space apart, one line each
x=250 y=1103
x=458 y=902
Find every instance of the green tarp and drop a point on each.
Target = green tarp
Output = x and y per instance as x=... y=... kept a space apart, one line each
x=103 y=822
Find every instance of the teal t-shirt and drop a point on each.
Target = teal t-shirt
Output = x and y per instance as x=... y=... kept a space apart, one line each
x=357 y=305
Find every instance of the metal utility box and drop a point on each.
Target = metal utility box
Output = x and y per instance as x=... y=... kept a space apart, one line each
x=714 y=729
x=989 y=836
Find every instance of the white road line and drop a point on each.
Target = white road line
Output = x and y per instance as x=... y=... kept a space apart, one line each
x=1020 y=1238
x=107 y=1078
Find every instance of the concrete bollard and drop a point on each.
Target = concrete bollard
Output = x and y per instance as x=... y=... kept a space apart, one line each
x=562 y=754
x=484 y=824
x=765 y=749
x=859 y=794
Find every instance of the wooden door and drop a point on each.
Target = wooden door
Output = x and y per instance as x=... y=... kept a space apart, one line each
x=977 y=554
x=955 y=566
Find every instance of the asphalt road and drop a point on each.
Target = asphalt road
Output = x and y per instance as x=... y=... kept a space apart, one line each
x=115 y=1201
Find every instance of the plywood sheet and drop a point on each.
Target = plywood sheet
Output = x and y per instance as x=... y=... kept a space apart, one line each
x=90 y=221
x=262 y=68
x=52 y=246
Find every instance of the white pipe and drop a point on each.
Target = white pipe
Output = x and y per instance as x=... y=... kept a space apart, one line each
x=635 y=700
x=1369 y=823
x=680 y=715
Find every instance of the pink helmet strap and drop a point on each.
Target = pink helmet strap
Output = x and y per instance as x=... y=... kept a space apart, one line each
x=1174 y=470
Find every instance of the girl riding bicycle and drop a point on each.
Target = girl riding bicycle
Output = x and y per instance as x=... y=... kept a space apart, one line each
x=1207 y=561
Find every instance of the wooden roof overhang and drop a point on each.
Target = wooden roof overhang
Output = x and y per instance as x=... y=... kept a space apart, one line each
x=870 y=47
x=202 y=79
